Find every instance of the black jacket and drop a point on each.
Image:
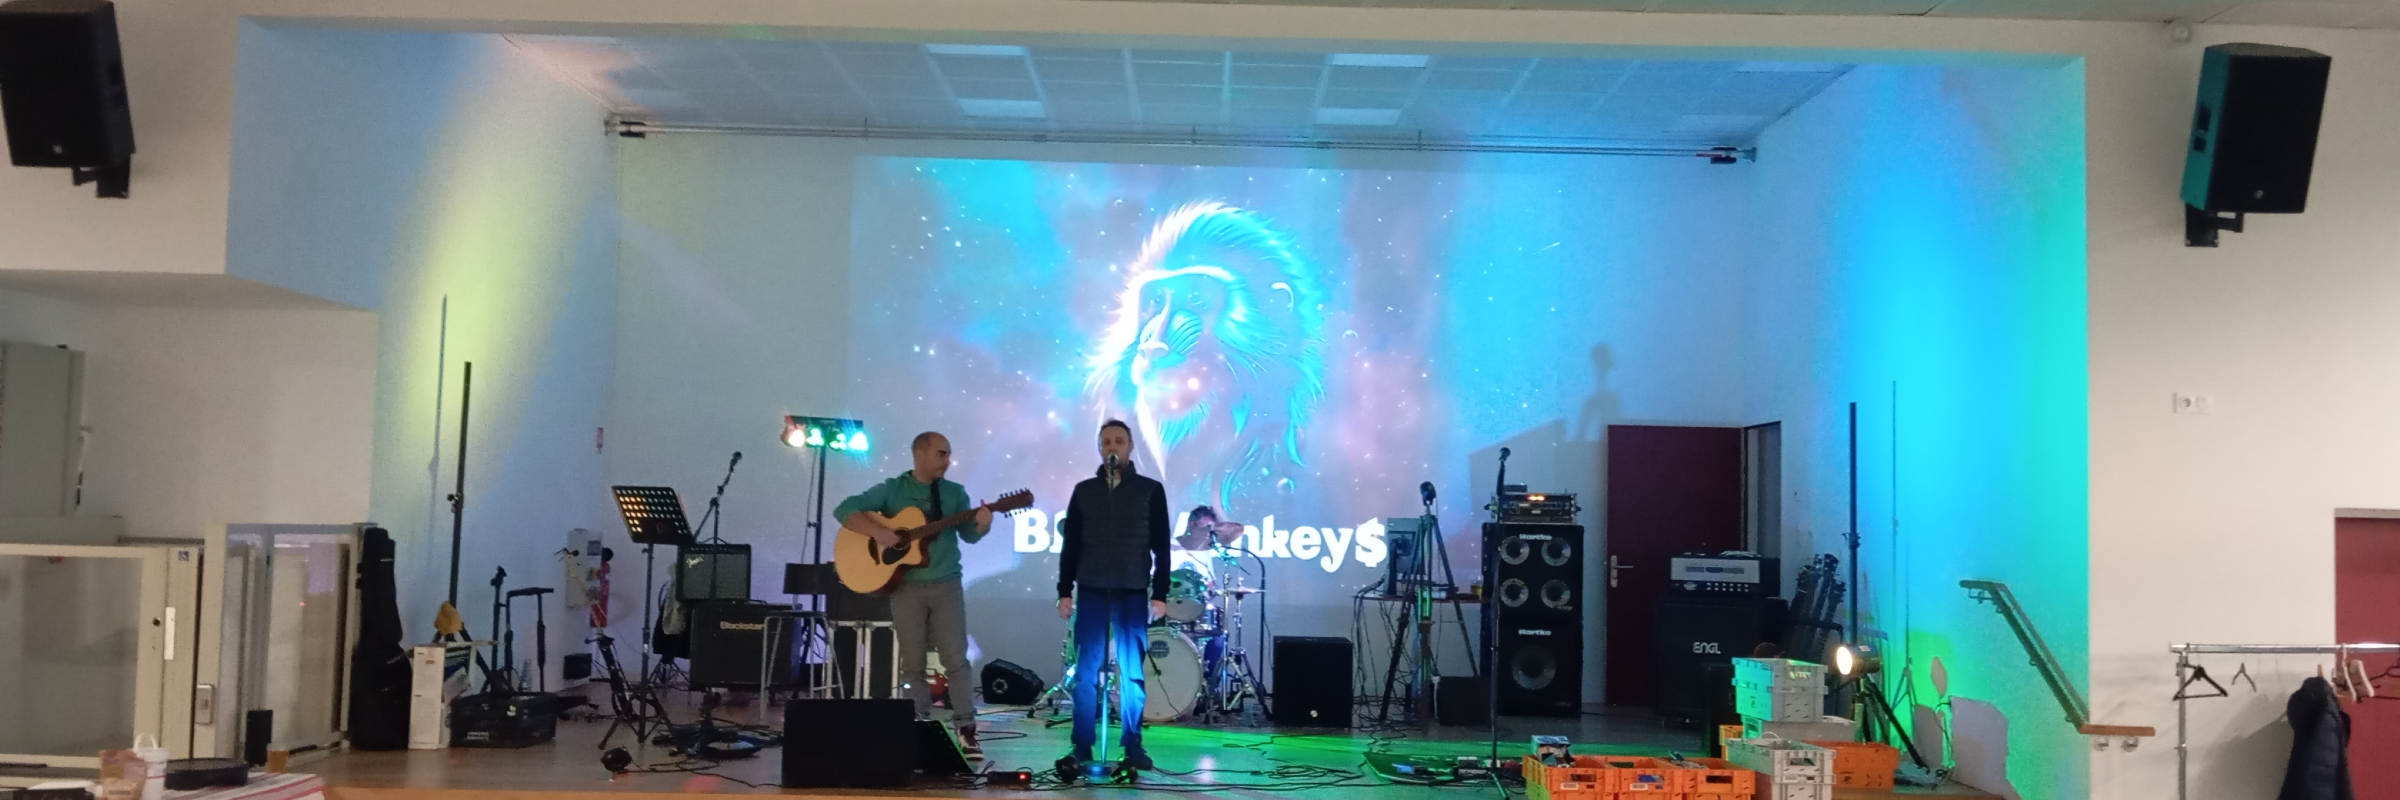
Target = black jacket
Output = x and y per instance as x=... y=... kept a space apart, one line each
x=2320 y=765
x=1116 y=538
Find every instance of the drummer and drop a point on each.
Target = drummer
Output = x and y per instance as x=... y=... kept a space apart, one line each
x=1202 y=534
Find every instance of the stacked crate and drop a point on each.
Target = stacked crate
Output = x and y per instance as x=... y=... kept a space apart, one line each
x=1778 y=690
x=1637 y=778
x=1793 y=770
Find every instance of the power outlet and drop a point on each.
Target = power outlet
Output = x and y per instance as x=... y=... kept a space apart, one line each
x=2194 y=403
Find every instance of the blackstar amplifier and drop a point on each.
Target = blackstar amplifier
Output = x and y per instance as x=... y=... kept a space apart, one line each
x=1742 y=574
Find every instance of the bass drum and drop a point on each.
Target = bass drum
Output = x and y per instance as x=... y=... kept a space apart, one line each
x=1171 y=676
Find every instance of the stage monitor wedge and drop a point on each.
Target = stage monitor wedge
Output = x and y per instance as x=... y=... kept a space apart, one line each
x=62 y=90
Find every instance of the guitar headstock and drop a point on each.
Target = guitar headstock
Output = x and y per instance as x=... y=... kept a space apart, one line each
x=1012 y=502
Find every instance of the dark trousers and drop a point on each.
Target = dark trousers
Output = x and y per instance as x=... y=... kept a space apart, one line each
x=1105 y=620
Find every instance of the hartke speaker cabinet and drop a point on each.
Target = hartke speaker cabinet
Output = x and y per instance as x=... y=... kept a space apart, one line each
x=1538 y=568
x=1312 y=682
x=62 y=89
x=2254 y=129
x=850 y=744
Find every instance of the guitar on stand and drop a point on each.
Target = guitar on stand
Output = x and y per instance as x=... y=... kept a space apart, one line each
x=867 y=568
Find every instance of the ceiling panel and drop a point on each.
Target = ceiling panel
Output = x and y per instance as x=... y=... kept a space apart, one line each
x=1276 y=94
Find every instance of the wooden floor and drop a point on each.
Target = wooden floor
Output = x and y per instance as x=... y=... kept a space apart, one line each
x=1226 y=762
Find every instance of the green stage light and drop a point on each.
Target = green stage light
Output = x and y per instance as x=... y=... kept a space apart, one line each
x=847 y=435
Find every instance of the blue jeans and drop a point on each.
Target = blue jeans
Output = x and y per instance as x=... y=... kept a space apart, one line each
x=1102 y=616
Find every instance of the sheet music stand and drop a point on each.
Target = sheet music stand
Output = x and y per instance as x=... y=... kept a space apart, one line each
x=653 y=516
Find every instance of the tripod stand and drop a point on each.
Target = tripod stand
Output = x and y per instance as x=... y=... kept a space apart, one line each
x=634 y=708
x=1418 y=587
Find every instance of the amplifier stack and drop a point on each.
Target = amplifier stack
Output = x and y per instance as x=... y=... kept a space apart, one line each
x=1537 y=580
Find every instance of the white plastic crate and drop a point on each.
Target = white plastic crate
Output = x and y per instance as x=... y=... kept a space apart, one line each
x=1782 y=760
x=1825 y=729
x=1794 y=770
x=1778 y=689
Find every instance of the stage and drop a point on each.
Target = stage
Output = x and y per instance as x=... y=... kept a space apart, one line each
x=1243 y=761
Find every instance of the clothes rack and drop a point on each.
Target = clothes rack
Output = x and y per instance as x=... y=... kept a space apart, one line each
x=2183 y=665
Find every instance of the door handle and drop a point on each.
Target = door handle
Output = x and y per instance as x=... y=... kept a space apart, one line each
x=1613 y=566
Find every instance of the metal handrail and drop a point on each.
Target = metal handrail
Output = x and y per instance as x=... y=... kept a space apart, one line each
x=2078 y=712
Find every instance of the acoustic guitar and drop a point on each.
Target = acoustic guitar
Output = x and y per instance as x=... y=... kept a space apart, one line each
x=868 y=569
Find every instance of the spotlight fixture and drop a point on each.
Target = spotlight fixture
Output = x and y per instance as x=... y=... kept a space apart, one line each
x=830 y=433
x=1853 y=661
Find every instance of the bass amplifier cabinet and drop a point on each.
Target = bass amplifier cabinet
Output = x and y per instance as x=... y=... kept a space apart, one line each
x=1696 y=632
x=728 y=638
x=1538 y=569
x=849 y=744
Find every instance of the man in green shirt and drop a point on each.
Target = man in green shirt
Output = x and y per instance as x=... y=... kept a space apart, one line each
x=929 y=607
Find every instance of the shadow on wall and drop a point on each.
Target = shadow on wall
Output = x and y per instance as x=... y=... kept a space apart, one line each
x=1555 y=457
x=1979 y=740
x=2245 y=763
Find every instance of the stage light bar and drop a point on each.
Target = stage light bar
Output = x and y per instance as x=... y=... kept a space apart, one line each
x=832 y=433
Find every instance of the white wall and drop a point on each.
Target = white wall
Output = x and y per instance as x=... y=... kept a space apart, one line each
x=1918 y=256
x=469 y=199
x=203 y=416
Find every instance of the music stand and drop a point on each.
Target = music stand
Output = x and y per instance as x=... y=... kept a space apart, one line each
x=653 y=516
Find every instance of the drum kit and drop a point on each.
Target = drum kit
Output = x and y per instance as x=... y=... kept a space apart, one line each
x=1197 y=667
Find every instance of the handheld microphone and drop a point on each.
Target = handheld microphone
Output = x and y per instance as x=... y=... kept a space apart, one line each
x=737 y=456
x=1112 y=461
x=1425 y=490
x=1504 y=454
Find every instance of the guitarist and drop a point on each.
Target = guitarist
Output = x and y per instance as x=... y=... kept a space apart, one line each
x=1112 y=581
x=929 y=607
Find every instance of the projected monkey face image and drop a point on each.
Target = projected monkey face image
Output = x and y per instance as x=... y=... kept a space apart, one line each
x=1216 y=354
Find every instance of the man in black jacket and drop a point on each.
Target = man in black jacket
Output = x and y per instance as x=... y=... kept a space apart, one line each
x=1112 y=581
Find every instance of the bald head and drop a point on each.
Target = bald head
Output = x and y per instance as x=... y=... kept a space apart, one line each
x=932 y=453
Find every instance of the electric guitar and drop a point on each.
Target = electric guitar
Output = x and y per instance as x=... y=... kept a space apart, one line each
x=868 y=569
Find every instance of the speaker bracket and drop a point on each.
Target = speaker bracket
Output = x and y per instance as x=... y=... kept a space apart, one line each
x=116 y=180
x=2200 y=227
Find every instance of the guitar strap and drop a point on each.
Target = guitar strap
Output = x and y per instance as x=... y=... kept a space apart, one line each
x=933 y=507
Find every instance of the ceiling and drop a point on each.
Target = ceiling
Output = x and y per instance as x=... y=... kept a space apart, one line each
x=1321 y=97
x=2304 y=13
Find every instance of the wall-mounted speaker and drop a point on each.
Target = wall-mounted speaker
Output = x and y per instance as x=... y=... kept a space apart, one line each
x=2253 y=140
x=62 y=90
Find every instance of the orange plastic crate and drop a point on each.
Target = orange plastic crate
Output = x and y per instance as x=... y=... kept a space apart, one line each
x=1719 y=779
x=1724 y=733
x=1863 y=765
x=1597 y=778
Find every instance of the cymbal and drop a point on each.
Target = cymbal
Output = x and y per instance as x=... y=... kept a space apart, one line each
x=1242 y=590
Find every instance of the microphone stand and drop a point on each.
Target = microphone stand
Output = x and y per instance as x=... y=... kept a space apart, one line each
x=715 y=503
x=1491 y=616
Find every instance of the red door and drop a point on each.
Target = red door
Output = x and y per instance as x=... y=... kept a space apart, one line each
x=1671 y=490
x=2366 y=588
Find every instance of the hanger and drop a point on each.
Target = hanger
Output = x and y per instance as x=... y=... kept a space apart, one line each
x=2359 y=682
x=2243 y=674
x=2199 y=675
x=2342 y=687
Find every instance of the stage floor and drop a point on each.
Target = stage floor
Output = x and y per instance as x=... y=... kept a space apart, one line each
x=1230 y=761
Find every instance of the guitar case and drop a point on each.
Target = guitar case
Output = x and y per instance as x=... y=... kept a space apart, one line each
x=380 y=672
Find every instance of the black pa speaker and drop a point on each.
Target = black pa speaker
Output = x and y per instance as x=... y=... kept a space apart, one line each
x=2254 y=131
x=727 y=638
x=1695 y=632
x=850 y=744
x=62 y=89
x=1007 y=684
x=1461 y=700
x=1312 y=682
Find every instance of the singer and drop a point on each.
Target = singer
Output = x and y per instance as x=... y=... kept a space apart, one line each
x=1116 y=554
